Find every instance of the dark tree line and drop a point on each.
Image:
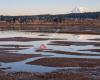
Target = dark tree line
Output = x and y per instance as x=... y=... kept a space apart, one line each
x=50 y=18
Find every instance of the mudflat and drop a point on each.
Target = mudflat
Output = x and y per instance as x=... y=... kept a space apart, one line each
x=66 y=62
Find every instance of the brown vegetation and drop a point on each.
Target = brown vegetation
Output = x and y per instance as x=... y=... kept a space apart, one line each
x=44 y=76
x=92 y=50
x=71 y=53
x=25 y=39
x=68 y=43
x=67 y=62
x=10 y=57
x=16 y=45
x=95 y=39
x=68 y=25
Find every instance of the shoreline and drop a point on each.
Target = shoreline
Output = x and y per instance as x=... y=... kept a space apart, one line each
x=48 y=28
x=67 y=32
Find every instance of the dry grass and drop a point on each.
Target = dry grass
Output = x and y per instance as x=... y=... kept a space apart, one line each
x=71 y=53
x=97 y=39
x=15 y=57
x=66 y=62
x=43 y=76
x=92 y=50
x=25 y=39
x=68 y=43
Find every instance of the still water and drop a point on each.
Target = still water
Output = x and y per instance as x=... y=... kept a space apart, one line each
x=91 y=46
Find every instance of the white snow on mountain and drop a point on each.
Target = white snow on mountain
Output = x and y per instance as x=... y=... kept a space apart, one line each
x=79 y=10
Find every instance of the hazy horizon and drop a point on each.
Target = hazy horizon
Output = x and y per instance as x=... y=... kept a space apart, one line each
x=36 y=7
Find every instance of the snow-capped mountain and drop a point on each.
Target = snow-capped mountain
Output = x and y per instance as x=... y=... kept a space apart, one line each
x=79 y=10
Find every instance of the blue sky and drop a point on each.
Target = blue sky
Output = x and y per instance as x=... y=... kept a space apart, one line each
x=32 y=7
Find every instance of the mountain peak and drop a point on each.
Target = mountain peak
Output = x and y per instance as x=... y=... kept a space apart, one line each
x=79 y=10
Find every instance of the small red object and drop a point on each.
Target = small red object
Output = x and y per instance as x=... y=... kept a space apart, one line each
x=42 y=47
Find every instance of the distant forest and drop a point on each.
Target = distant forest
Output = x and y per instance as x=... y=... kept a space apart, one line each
x=51 y=18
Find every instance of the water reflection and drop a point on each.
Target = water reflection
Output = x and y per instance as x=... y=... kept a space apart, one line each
x=36 y=44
